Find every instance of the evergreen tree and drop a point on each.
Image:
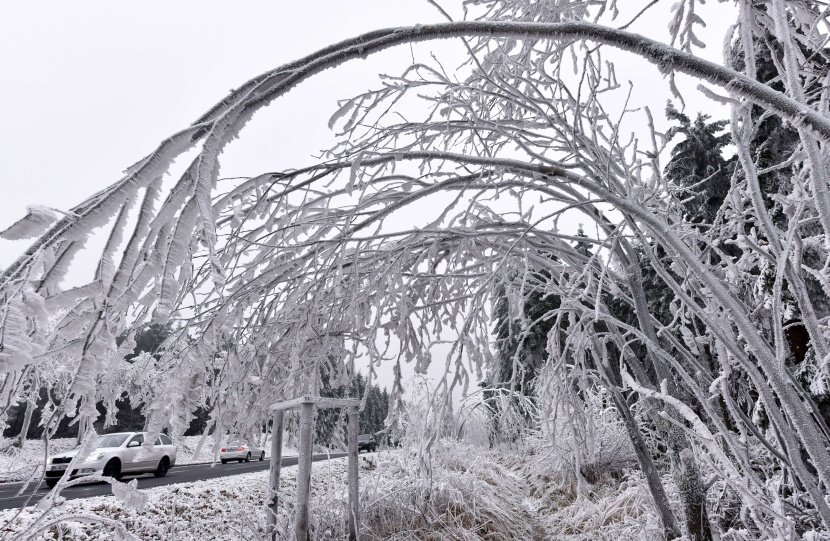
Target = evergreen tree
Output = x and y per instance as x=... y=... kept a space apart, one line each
x=130 y=418
x=521 y=348
x=370 y=421
x=698 y=166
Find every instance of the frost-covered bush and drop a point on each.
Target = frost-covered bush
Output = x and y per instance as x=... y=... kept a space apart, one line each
x=616 y=505
x=468 y=496
x=581 y=435
x=623 y=511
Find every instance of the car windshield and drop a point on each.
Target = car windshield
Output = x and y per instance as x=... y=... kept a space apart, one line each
x=364 y=437
x=235 y=444
x=111 y=440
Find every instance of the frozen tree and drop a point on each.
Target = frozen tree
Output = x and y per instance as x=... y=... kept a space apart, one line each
x=273 y=277
x=698 y=166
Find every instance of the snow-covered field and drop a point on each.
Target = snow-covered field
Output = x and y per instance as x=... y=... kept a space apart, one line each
x=20 y=464
x=463 y=493
x=225 y=508
x=469 y=495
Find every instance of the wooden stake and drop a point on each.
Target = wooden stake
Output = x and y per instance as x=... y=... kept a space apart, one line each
x=274 y=478
x=304 y=471
x=354 y=496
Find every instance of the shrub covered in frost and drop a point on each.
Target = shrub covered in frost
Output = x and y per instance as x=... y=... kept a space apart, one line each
x=467 y=496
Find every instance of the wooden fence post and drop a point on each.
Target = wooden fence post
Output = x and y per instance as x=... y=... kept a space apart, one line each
x=274 y=478
x=304 y=470
x=354 y=496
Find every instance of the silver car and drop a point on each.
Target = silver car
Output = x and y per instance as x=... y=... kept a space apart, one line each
x=241 y=451
x=114 y=456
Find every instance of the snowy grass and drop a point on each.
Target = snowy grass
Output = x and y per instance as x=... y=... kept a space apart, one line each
x=228 y=507
x=620 y=507
x=468 y=496
x=21 y=464
x=461 y=492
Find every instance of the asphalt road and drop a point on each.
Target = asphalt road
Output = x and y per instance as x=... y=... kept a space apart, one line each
x=9 y=497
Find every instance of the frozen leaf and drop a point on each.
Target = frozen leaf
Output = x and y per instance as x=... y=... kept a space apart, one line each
x=37 y=220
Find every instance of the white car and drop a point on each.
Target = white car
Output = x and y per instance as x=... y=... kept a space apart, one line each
x=114 y=456
x=241 y=451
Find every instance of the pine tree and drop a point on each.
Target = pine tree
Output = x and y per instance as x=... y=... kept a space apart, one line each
x=371 y=419
x=521 y=345
x=147 y=340
x=697 y=165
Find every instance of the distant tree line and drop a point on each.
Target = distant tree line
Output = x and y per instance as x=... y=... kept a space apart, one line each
x=329 y=428
x=131 y=418
x=128 y=417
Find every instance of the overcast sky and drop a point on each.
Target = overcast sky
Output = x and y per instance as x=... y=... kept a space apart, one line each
x=91 y=87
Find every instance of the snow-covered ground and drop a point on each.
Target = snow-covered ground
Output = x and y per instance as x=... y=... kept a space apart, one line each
x=224 y=508
x=471 y=494
x=468 y=495
x=462 y=493
x=20 y=464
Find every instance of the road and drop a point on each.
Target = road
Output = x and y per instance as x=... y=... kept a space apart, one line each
x=9 y=497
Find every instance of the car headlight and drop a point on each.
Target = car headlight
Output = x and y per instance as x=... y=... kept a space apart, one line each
x=96 y=456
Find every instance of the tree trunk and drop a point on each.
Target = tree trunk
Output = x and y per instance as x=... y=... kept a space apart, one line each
x=693 y=495
x=24 y=430
x=655 y=484
x=686 y=471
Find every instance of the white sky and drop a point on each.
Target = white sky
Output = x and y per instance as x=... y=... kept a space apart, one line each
x=89 y=88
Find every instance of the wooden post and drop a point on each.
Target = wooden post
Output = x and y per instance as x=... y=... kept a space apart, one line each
x=304 y=470
x=274 y=478
x=354 y=496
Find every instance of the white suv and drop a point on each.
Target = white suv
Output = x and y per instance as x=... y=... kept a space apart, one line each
x=116 y=455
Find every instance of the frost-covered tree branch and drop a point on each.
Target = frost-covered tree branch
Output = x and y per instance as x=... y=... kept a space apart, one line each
x=396 y=247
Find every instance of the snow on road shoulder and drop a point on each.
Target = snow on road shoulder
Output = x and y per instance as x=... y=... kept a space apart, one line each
x=227 y=507
x=466 y=495
x=19 y=464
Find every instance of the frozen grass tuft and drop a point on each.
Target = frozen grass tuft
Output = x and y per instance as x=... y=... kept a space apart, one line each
x=623 y=511
x=467 y=496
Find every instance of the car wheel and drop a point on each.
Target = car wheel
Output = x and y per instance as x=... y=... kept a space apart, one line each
x=51 y=483
x=113 y=469
x=224 y=461
x=262 y=456
x=164 y=467
x=248 y=457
